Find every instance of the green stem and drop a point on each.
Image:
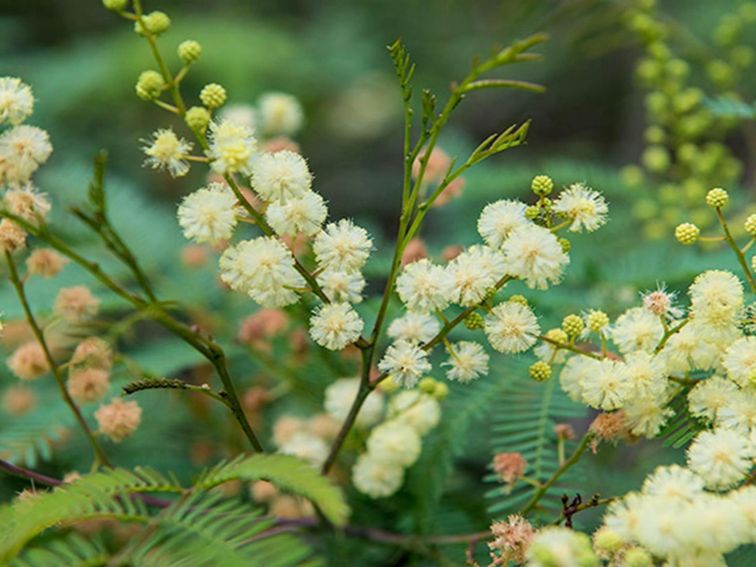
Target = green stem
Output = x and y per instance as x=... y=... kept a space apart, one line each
x=100 y=456
x=735 y=248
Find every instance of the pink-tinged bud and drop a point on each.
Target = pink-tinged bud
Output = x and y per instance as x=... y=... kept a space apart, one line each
x=19 y=400
x=255 y=399
x=88 y=385
x=45 y=262
x=451 y=191
x=280 y=144
x=609 y=427
x=438 y=165
x=194 y=256
x=28 y=361
x=118 y=419
x=92 y=352
x=285 y=427
x=564 y=431
x=324 y=426
x=257 y=329
x=263 y=491
x=298 y=244
x=450 y=252
x=290 y=507
x=509 y=466
x=511 y=540
x=12 y=237
x=76 y=304
x=414 y=251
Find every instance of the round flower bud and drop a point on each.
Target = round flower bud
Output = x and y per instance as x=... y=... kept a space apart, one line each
x=197 y=118
x=687 y=233
x=149 y=85
x=750 y=224
x=153 y=23
x=573 y=325
x=440 y=391
x=189 y=51
x=540 y=371
x=519 y=299
x=115 y=5
x=542 y=185
x=607 y=541
x=637 y=557
x=532 y=212
x=597 y=320
x=474 y=321
x=565 y=244
x=427 y=385
x=213 y=95
x=717 y=198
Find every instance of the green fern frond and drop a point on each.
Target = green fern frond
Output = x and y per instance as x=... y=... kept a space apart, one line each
x=71 y=551
x=682 y=427
x=203 y=529
x=526 y=426
x=286 y=472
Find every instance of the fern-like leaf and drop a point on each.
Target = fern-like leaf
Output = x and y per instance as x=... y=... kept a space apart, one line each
x=71 y=551
x=288 y=473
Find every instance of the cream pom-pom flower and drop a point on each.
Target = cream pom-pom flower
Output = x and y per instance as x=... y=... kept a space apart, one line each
x=511 y=327
x=394 y=442
x=342 y=246
x=417 y=409
x=604 y=385
x=339 y=397
x=405 y=362
x=498 y=220
x=16 y=100
x=716 y=298
x=339 y=285
x=585 y=207
x=209 y=214
x=306 y=446
x=645 y=417
x=376 y=478
x=636 y=329
x=475 y=273
x=335 y=325
x=740 y=361
x=467 y=361
x=555 y=546
x=722 y=458
x=573 y=374
x=280 y=176
x=673 y=481
x=27 y=203
x=232 y=148
x=689 y=349
x=424 y=287
x=304 y=215
x=22 y=150
x=280 y=114
x=264 y=269
x=165 y=150
x=709 y=396
x=534 y=255
x=414 y=327
x=646 y=375
x=739 y=413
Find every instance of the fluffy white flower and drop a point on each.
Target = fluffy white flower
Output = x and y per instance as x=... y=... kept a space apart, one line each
x=511 y=327
x=22 y=150
x=335 y=325
x=167 y=151
x=209 y=214
x=16 y=100
x=475 y=272
x=420 y=411
x=573 y=374
x=339 y=397
x=646 y=416
x=689 y=349
x=745 y=500
x=303 y=214
x=405 y=362
x=232 y=147
x=721 y=457
x=342 y=246
x=425 y=287
x=673 y=481
x=534 y=255
x=604 y=386
x=242 y=114
x=585 y=207
x=280 y=114
x=264 y=269
x=394 y=442
x=739 y=412
x=709 y=396
x=414 y=327
x=341 y=285
x=740 y=361
x=716 y=298
x=646 y=375
x=375 y=478
x=306 y=446
x=554 y=546
x=280 y=176
x=498 y=220
x=467 y=361
x=636 y=329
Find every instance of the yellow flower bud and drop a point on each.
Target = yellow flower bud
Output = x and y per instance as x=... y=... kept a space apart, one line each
x=573 y=325
x=197 y=118
x=596 y=320
x=115 y=5
x=687 y=233
x=149 y=85
x=542 y=185
x=750 y=224
x=189 y=51
x=213 y=95
x=540 y=371
x=153 y=23
x=717 y=198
